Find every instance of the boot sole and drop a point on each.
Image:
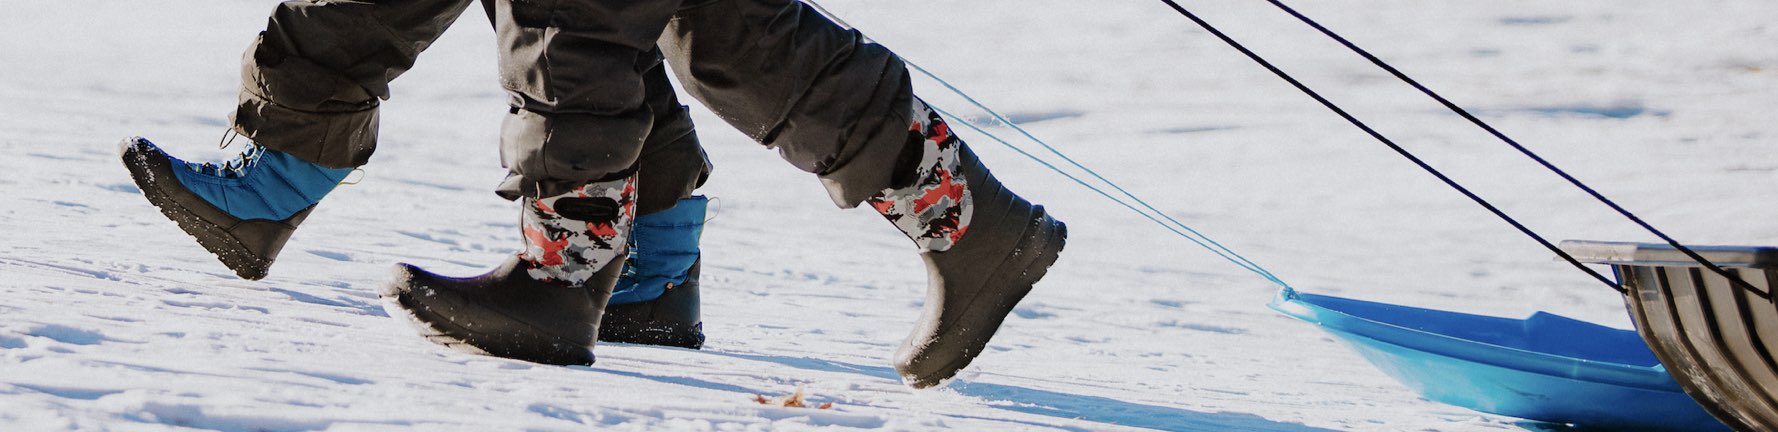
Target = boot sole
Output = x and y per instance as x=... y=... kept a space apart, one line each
x=1025 y=279
x=399 y=302
x=213 y=237
x=428 y=330
x=672 y=336
x=644 y=323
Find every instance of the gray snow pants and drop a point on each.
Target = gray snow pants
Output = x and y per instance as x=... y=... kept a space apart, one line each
x=588 y=96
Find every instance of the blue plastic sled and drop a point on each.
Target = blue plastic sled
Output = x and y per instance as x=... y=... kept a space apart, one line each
x=1546 y=368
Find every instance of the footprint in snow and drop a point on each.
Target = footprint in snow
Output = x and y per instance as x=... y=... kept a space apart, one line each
x=67 y=335
x=1202 y=327
x=122 y=188
x=1028 y=313
x=336 y=256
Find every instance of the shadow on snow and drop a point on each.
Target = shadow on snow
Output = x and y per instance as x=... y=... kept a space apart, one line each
x=1057 y=404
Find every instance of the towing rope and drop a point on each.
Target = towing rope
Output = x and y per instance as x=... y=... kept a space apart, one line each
x=1141 y=207
x=1123 y=197
x=1510 y=142
x=1396 y=147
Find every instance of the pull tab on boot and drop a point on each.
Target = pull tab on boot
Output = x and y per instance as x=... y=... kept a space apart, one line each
x=934 y=210
x=569 y=237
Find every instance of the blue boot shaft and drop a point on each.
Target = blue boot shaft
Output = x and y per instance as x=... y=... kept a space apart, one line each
x=261 y=183
x=663 y=247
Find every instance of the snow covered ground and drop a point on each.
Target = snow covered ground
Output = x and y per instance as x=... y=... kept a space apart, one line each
x=110 y=318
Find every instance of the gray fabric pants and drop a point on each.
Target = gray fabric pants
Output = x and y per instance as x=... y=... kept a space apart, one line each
x=588 y=96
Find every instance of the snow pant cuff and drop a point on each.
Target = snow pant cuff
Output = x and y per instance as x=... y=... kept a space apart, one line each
x=670 y=171
x=312 y=81
x=551 y=154
x=673 y=163
x=829 y=101
x=343 y=139
x=870 y=164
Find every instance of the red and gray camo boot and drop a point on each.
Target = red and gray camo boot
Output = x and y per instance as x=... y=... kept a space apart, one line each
x=541 y=305
x=984 y=248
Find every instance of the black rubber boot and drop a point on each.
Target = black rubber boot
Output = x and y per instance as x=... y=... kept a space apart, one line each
x=247 y=247
x=544 y=303
x=984 y=248
x=973 y=286
x=670 y=320
x=504 y=313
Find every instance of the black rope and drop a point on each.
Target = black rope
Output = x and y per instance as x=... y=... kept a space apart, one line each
x=1521 y=148
x=1398 y=149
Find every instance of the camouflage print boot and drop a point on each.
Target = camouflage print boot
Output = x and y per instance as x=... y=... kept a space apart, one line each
x=984 y=248
x=542 y=305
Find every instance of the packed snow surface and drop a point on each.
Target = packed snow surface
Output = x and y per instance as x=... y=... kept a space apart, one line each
x=111 y=318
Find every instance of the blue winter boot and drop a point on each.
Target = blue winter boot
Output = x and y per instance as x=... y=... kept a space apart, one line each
x=656 y=299
x=243 y=210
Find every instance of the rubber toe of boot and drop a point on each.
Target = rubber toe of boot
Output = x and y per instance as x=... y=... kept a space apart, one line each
x=503 y=313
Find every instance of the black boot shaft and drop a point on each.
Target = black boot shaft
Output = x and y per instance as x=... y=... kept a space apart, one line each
x=974 y=285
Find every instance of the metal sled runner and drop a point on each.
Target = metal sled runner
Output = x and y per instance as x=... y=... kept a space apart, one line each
x=1717 y=339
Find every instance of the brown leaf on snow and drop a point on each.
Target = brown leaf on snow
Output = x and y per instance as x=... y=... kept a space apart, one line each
x=794 y=400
